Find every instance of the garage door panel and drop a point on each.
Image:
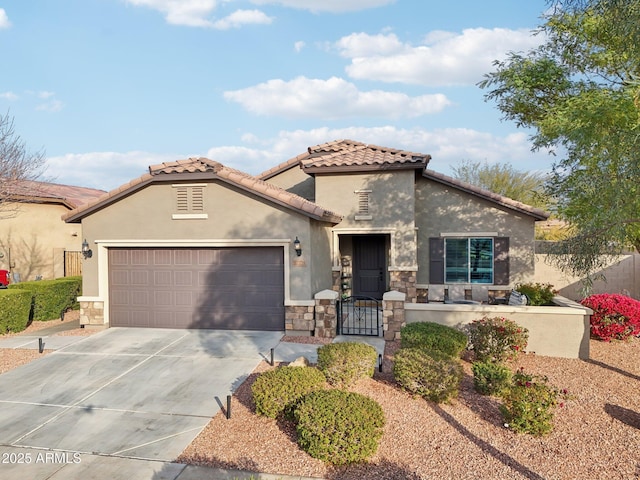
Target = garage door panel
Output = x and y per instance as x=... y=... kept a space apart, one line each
x=226 y=288
x=163 y=278
x=139 y=257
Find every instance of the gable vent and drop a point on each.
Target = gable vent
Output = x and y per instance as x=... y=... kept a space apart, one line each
x=189 y=202
x=363 y=198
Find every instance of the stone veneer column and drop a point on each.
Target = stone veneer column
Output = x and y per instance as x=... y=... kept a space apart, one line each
x=326 y=314
x=405 y=282
x=298 y=319
x=337 y=280
x=393 y=314
x=92 y=313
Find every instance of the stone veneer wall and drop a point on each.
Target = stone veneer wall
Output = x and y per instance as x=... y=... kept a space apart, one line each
x=337 y=280
x=393 y=317
x=92 y=312
x=326 y=321
x=299 y=319
x=405 y=282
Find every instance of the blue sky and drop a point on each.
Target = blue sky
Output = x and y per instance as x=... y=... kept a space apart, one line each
x=108 y=87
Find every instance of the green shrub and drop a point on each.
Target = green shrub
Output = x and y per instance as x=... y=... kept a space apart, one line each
x=496 y=339
x=429 y=373
x=15 y=306
x=275 y=392
x=339 y=427
x=490 y=378
x=345 y=362
x=433 y=336
x=529 y=404
x=537 y=293
x=51 y=297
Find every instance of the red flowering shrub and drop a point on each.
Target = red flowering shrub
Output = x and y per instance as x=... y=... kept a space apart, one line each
x=615 y=317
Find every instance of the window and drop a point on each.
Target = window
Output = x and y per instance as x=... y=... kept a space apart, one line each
x=468 y=260
x=189 y=202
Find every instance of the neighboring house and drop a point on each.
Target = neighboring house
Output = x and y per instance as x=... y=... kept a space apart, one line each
x=34 y=240
x=196 y=244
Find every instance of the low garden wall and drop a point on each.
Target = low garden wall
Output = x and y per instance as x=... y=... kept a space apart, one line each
x=561 y=330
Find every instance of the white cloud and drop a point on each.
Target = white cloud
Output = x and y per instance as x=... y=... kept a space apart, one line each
x=298 y=46
x=44 y=94
x=444 y=58
x=243 y=17
x=359 y=45
x=334 y=6
x=8 y=96
x=50 y=106
x=108 y=170
x=330 y=99
x=4 y=19
x=103 y=170
x=446 y=146
x=191 y=13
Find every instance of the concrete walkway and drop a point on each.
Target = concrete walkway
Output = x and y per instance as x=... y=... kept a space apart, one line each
x=24 y=463
x=125 y=402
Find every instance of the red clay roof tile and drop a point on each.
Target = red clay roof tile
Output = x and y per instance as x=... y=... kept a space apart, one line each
x=219 y=171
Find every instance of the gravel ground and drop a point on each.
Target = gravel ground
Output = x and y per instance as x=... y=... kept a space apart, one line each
x=14 y=357
x=596 y=434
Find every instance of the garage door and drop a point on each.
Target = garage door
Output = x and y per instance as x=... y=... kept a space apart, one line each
x=226 y=288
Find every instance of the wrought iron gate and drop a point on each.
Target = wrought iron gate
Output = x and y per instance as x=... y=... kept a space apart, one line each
x=359 y=315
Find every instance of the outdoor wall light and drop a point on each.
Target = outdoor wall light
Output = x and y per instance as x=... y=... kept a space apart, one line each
x=297 y=247
x=86 y=251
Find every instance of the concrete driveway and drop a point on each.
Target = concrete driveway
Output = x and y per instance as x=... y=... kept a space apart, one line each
x=140 y=393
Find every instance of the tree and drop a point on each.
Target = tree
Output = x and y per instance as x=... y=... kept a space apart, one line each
x=17 y=165
x=579 y=92
x=504 y=179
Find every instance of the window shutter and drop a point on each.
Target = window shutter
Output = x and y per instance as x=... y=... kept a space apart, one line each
x=501 y=261
x=197 y=199
x=182 y=199
x=436 y=260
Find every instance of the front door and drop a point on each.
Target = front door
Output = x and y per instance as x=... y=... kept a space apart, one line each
x=369 y=265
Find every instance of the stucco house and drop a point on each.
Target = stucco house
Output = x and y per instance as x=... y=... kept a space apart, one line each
x=196 y=244
x=34 y=240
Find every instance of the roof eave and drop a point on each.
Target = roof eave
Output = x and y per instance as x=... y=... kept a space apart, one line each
x=511 y=204
x=312 y=170
x=76 y=215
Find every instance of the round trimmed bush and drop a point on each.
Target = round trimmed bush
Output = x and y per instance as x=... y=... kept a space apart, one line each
x=276 y=391
x=345 y=362
x=433 y=336
x=490 y=378
x=339 y=427
x=431 y=374
x=496 y=339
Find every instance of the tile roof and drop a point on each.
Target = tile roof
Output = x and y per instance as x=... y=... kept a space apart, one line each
x=537 y=213
x=214 y=170
x=348 y=154
x=342 y=155
x=34 y=191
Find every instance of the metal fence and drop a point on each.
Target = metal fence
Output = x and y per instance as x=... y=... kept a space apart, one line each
x=359 y=315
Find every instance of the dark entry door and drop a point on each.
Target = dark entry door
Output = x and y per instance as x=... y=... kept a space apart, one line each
x=369 y=265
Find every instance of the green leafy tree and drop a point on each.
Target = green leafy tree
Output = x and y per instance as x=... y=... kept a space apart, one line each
x=504 y=179
x=579 y=92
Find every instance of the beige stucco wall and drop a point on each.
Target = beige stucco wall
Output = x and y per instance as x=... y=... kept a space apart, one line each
x=294 y=180
x=622 y=275
x=37 y=238
x=443 y=209
x=391 y=206
x=558 y=331
x=235 y=218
